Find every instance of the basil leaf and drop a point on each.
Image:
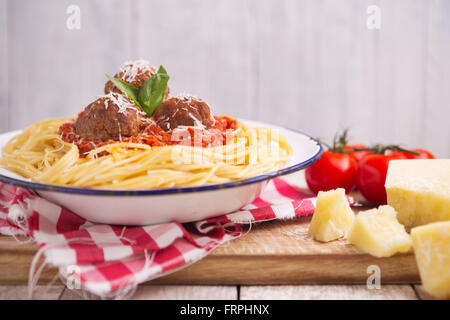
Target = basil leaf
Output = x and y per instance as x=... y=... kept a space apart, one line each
x=151 y=94
x=127 y=89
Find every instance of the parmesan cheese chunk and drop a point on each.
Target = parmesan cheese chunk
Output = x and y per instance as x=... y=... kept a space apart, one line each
x=419 y=190
x=378 y=232
x=432 y=249
x=333 y=216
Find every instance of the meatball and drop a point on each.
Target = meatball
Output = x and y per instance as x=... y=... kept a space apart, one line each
x=110 y=117
x=135 y=73
x=183 y=111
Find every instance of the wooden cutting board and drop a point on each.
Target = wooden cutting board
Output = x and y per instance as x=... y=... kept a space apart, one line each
x=274 y=252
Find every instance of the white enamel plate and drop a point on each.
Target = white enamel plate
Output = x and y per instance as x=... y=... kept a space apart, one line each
x=182 y=204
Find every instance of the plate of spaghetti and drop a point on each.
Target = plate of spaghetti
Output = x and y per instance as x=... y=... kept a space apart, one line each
x=137 y=155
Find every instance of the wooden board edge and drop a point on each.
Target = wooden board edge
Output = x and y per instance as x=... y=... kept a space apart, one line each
x=280 y=270
x=254 y=269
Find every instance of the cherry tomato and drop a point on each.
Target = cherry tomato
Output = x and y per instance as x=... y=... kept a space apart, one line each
x=358 y=155
x=423 y=154
x=372 y=175
x=333 y=170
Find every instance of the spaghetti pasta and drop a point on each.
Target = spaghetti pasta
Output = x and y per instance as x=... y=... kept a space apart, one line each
x=39 y=153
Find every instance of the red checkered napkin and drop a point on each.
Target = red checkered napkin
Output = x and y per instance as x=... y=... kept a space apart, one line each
x=106 y=259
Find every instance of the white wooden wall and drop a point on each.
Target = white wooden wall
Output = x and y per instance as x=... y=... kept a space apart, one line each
x=311 y=65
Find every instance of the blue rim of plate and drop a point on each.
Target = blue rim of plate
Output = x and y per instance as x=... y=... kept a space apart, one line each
x=105 y=192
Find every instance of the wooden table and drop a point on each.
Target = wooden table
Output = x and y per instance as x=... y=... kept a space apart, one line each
x=288 y=266
x=275 y=260
x=289 y=292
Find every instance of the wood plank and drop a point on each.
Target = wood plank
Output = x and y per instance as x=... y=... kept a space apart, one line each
x=57 y=71
x=341 y=267
x=232 y=68
x=400 y=90
x=206 y=47
x=178 y=37
x=15 y=262
x=437 y=79
x=41 y=292
x=329 y=292
x=308 y=54
x=422 y=293
x=157 y=292
x=289 y=62
x=273 y=252
x=69 y=294
x=281 y=252
x=4 y=88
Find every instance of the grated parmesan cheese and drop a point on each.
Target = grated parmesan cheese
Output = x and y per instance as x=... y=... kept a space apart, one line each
x=122 y=102
x=197 y=122
x=187 y=97
x=130 y=69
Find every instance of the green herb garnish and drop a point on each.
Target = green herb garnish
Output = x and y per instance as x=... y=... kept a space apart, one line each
x=151 y=94
x=127 y=89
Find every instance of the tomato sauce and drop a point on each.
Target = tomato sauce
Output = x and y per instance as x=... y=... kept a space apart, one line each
x=219 y=134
